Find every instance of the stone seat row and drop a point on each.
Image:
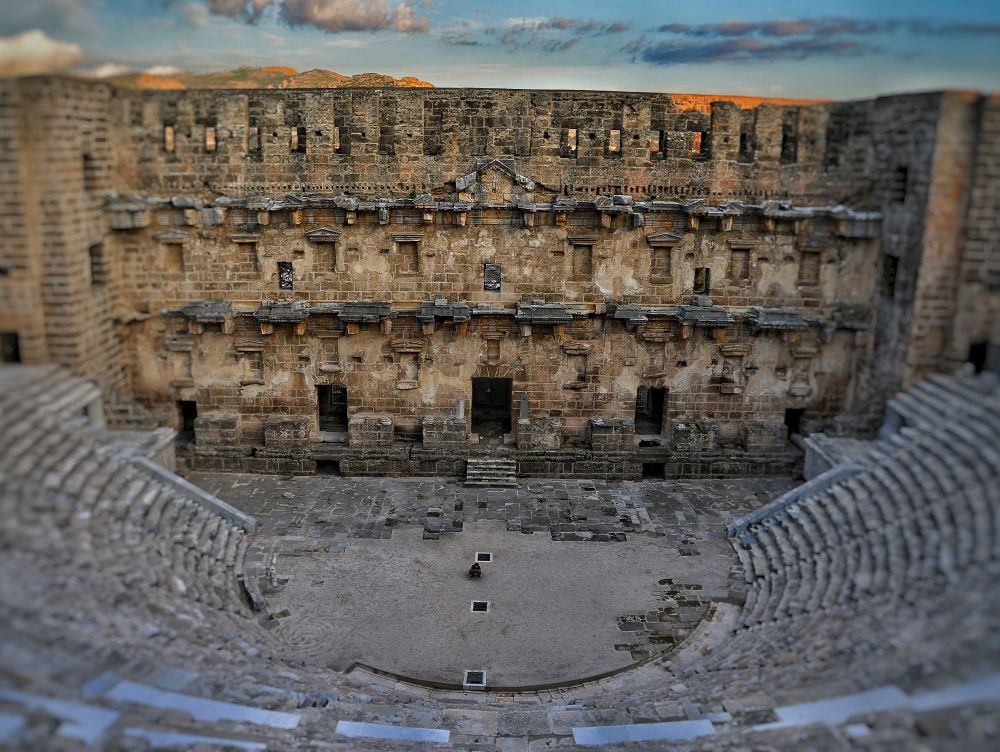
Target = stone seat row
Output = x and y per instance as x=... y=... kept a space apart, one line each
x=927 y=503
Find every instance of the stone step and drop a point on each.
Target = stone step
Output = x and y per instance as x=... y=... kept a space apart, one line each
x=491 y=472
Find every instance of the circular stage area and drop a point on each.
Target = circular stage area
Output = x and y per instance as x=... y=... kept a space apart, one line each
x=584 y=578
x=405 y=605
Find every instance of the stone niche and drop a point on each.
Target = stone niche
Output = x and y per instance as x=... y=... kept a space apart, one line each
x=217 y=430
x=758 y=436
x=694 y=435
x=370 y=431
x=286 y=431
x=539 y=434
x=612 y=435
x=443 y=431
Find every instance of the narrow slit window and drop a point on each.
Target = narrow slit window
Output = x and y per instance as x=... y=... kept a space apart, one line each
x=297 y=139
x=210 y=138
x=168 y=139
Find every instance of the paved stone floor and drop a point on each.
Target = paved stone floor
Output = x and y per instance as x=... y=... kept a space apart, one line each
x=588 y=576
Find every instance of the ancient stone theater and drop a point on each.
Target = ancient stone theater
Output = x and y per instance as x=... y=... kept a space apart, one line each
x=706 y=386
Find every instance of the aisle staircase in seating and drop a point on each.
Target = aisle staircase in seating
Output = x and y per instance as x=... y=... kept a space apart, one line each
x=491 y=471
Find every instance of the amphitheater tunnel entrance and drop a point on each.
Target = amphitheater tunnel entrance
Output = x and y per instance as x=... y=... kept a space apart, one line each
x=650 y=408
x=332 y=403
x=491 y=407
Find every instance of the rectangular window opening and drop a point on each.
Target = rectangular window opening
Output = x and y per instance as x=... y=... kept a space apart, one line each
x=740 y=263
x=809 y=267
x=253 y=140
x=569 y=143
x=187 y=412
x=297 y=139
x=662 y=260
x=286 y=275
x=702 y=280
x=746 y=147
x=210 y=138
x=657 y=144
x=890 y=268
x=10 y=347
x=898 y=183
x=168 y=139
x=408 y=257
x=583 y=261
x=615 y=142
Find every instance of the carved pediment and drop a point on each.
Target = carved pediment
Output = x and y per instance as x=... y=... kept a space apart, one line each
x=494 y=182
x=663 y=238
x=323 y=235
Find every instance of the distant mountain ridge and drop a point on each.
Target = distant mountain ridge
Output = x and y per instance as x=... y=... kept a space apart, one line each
x=267 y=77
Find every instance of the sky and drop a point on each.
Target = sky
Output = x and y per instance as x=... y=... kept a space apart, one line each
x=780 y=48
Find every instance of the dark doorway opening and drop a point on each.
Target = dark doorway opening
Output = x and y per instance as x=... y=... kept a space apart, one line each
x=188 y=410
x=491 y=407
x=653 y=470
x=650 y=404
x=978 y=352
x=10 y=348
x=332 y=401
x=327 y=467
x=793 y=420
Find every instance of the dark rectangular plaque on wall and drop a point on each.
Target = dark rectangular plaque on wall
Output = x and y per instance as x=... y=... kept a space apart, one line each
x=491 y=277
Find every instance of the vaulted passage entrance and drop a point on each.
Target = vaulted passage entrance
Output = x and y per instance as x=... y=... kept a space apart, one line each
x=491 y=407
x=649 y=408
x=332 y=400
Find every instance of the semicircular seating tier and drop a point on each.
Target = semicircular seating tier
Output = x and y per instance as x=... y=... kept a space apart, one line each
x=868 y=593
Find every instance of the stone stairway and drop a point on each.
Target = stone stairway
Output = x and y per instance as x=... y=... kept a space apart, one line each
x=491 y=471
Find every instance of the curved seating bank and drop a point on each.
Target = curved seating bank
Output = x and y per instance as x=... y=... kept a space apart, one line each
x=867 y=615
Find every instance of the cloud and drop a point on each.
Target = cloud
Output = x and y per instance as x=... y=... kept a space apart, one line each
x=34 y=52
x=554 y=34
x=195 y=15
x=352 y=15
x=787 y=39
x=163 y=70
x=744 y=50
x=105 y=70
x=58 y=16
x=333 y=16
x=793 y=27
x=242 y=10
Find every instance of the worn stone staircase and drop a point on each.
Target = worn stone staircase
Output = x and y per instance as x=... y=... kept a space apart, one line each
x=491 y=471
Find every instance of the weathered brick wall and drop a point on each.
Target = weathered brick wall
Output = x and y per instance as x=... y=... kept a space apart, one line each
x=61 y=152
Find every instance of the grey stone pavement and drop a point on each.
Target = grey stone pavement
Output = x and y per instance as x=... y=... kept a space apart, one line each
x=588 y=576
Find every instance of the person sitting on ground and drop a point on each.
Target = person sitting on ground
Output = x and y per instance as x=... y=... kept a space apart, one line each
x=475 y=570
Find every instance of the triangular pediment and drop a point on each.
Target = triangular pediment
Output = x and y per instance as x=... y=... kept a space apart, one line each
x=495 y=181
x=663 y=238
x=323 y=235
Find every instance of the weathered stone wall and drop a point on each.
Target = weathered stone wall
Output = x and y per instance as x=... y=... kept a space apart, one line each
x=588 y=246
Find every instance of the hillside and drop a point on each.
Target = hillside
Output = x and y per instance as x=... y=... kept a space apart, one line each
x=268 y=77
